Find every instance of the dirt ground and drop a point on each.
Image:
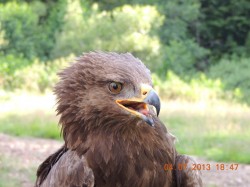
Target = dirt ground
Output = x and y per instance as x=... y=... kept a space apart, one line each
x=30 y=152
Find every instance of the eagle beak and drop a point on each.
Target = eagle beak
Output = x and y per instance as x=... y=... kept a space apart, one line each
x=153 y=99
x=138 y=106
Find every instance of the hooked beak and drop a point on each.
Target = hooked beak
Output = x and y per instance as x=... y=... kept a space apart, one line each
x=138 y=106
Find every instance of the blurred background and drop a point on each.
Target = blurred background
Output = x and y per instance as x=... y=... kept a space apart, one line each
x=197 y=50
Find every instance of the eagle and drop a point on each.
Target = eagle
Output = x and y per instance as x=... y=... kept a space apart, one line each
x=112 y=134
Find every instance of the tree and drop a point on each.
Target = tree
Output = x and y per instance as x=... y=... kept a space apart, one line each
x=225 y=26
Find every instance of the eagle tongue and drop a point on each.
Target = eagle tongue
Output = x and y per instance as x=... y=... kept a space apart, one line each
x=139 y=107
x=144 y=111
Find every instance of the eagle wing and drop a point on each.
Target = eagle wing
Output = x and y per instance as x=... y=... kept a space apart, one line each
x=186 y=176
x=65 y=169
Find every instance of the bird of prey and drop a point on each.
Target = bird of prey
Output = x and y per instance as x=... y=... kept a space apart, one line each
x=113 y=138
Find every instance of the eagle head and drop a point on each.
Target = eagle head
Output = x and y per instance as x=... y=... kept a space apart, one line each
x=105 y=89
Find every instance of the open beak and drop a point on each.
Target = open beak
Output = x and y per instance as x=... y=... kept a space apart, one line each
x=138 y=106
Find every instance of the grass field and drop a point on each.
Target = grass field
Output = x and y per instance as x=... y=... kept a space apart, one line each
x=29 y=115
x=215 y=130
x=15 y=173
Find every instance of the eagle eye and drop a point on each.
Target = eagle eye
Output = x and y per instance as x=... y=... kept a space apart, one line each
x=115 y=87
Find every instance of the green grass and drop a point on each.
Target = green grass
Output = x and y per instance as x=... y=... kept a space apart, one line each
x=33 y=124
x=214 y=130
x=15 y=173
x=29 y=115
x=218 y=132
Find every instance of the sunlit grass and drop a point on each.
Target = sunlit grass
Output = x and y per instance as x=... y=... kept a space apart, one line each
x=218 y=131
x=29 y=115
x=33 y=124
x=215 y=130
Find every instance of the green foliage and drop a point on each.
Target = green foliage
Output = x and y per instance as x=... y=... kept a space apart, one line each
x=184 y=57
x=50 y=25
x=9 y=65
x=179 y=15
x=229 y=79
x=182 y=54
x=224 y=26
x=197 y=89
x=28 y=29
x=126 y=29
x=19 y=23
x=183 y=37
x=235 y=75
x=35 y=77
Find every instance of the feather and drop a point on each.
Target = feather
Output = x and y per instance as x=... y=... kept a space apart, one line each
x=105 y=145
x=69 y=170
x=186 y=176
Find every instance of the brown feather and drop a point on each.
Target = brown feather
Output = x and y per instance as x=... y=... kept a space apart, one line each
x=187 y=177
x=114 y=147
x=69 y=170
x=45 y=167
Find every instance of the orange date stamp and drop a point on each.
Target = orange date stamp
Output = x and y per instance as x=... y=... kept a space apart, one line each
x=204 y=167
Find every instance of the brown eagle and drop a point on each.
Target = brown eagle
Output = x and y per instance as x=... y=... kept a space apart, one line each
x=113 y=137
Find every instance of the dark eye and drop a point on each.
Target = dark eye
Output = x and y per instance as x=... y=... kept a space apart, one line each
x=115 y=87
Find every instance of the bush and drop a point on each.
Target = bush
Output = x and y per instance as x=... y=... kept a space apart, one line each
x=180 y=17
x=29 y=29
x=19 y=23
x=224 y=27
x=234 y=73
x=8 y=67
x=36 y=77
x=184 y=57
x=125 y=29
x=197 y=89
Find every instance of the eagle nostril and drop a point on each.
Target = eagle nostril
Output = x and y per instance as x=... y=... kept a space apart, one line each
x=145 y=92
